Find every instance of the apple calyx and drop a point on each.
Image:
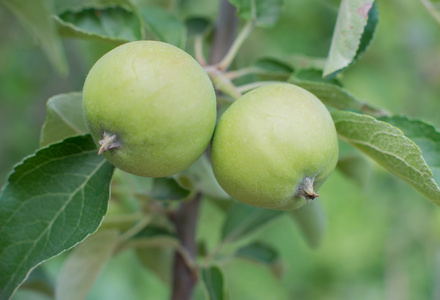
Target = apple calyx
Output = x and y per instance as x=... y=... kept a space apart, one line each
x=305 y=189
x=109 y=141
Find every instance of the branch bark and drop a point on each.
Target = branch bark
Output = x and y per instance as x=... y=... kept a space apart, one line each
x=225 y=31
x=185 y=218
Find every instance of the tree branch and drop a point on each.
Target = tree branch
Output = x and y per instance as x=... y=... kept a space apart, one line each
x=184 y=277
x=185 y=218
x=224 y=32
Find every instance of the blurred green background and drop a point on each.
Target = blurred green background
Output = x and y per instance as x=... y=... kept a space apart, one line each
x=383 y=238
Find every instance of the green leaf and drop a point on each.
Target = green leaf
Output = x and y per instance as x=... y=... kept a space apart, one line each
x=243 y=220
x=212 y=279
x=153 y=231
x=155 y=248
x=198 y=26
x=112 y=24
x=36 y=16
x=350 y=26
x=311 y=221
x=337 y=97
x=159 y=260
x=168 y=189
x=78 y=5
x=260 y=252
x=53 y=200
x=164 y=26
x=264 y=13
x=201 y=178
x=369 y=30
x=315 y=75
x=64 y=118
x=84 y=264
x=425 y=136
x=389 y=147
x=356 y=167
x=272 y=67
x=301 y=61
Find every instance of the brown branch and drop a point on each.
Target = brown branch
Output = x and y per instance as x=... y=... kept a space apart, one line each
x=185 y=218
x=224 y=32
x=184 y=277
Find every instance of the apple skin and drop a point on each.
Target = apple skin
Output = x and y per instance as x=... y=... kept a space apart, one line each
x=274 y=144
x=157 y=103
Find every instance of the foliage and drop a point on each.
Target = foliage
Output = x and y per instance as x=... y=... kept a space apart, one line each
x=57 y=198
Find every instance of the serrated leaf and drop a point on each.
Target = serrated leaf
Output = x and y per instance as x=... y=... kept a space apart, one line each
x=425 y=136
x=164 y=26
x=337 y=97
x=200 y=177
x=84 y=265
x=36 y=16
x=168 y=189
x=243 y=220
x=112 y=24
x=389 y=147
x=350 y=25
x=212 y=278
x=53 y=200
x=369 y=30
x=260 y=252
x=64 y=118
x=311 y=221
x=264 y=13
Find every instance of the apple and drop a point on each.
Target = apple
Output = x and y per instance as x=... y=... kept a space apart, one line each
x=150 y=107
x=274 y=147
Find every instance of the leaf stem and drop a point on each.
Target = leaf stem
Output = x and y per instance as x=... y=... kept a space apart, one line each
x=232 y=52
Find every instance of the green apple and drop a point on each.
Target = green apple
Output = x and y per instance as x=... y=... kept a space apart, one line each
x=274 y=147
x=151 y=107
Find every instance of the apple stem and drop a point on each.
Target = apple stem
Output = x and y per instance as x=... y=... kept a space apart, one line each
x=305 y=189
x=109 y=141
